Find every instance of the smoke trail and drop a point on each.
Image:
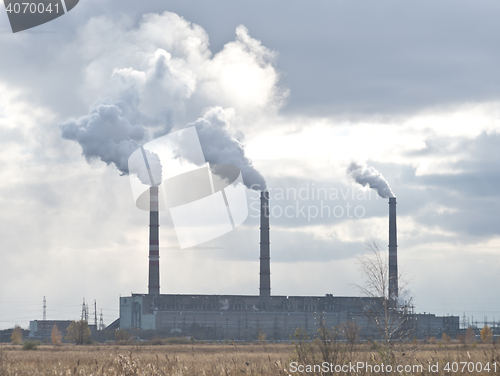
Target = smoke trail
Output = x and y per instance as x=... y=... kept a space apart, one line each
x=105 y=134
x=147 y=168
x=157 y=82
x=220 y=148
x=365 y=175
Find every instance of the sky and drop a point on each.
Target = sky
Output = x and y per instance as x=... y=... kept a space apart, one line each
x=411 y=89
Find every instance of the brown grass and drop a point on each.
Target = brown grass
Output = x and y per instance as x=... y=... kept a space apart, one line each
x=172 y=359
x=218 y=359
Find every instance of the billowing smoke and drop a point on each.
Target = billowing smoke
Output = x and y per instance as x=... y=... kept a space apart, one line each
x=147 y=168
x=366 y=175
x=220 y=148
x=105 y=134
x=161 y=73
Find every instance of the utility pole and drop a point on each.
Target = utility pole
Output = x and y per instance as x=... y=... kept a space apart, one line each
x=101 y=322
x=95 y=314
x=85 y=311
x=44 y=309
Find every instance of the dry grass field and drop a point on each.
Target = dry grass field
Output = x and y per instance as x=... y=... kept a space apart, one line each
x=178 y=359
x=237 y=359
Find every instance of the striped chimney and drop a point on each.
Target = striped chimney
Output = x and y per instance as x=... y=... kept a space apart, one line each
x=265 y=268
x=154 y=244
x=393 y=250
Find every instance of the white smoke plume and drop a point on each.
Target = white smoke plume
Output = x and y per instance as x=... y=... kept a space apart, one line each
x=160 y=75
x=366 y=175
x=219 y=147
x=147 y=168
x=105 y=134
x=165 y=67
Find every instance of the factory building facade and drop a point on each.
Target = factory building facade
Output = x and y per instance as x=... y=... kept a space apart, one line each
x=428 y=325
x=42 y=329
x=248 y=317
x=240 y=317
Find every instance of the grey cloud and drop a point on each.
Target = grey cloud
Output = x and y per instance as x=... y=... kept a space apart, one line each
x=358 y=59
x=475 y=165
x=352 y=60
x=8 y=135
x=464 y=203
x=459 y=209
x=289 y=246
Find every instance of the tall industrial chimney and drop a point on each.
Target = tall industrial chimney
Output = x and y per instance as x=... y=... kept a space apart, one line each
x=154 y=244
x=393 y=250
x=265 y=268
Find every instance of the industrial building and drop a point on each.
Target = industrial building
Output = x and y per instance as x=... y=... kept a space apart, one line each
x=429 y=325
x=248 y=317
x=239 y=316
x=42 y=329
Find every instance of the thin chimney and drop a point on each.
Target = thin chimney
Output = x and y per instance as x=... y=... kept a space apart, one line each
x=154 y=255
x=393 y=250
x=265 y=268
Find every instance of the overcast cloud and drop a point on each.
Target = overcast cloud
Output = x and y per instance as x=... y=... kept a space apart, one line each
x=409 y=89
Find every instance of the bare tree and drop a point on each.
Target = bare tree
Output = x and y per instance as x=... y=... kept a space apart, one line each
x=469 y=335
x=350 y=331
x=326 y=347
x=390 y=319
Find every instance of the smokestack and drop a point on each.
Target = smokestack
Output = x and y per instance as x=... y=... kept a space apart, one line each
x=154 y=244
x=393 y=250
x=265 y=268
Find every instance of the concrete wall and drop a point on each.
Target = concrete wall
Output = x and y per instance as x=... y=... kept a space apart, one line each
x=216 y=317
x=240 y=316
x=211 y=325
x=251 y=303
x=429 y=325
x=40 y=329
